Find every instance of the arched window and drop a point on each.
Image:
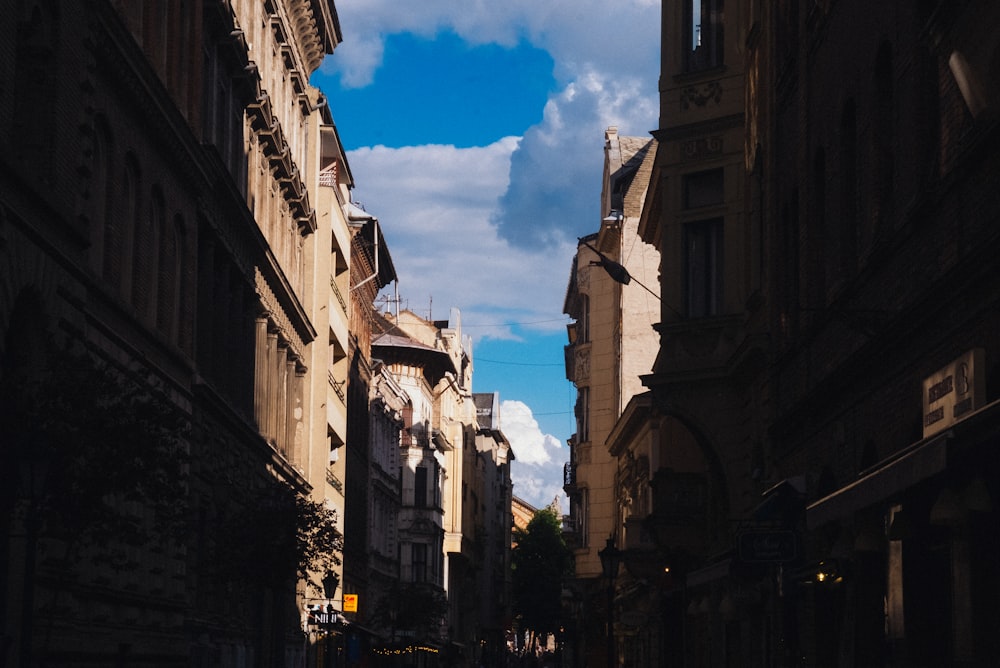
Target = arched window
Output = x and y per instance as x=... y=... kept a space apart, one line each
x=883 y=136
x=145 y=256
x=170 y=277
x=118 y=233
x=35 y=69
x=848 y=188
x=823 y=245
x=100 y=191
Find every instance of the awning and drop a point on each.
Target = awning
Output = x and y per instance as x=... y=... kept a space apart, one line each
x=710 y=573
x=920 y=461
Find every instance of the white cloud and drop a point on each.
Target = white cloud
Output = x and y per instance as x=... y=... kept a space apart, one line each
x=530 y=445
x=435 y=204
x=538 y=457
x=606 y=61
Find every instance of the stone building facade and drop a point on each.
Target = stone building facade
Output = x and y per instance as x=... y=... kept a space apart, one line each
x=173 y=222
x=611 y=344
x=824 y=484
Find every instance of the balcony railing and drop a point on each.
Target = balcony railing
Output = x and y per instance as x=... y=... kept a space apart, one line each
x=334 y=481
x=337 y=385
x=569 y=474
x=336 y=292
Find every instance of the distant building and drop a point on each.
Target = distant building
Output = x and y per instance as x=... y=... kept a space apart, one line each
x=522 y=512
x=370 y=432
x=491 y=498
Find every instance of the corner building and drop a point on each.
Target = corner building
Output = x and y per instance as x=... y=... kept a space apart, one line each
x=611 y=345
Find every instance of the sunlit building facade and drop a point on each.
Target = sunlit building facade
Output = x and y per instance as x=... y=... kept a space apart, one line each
x=611 y=344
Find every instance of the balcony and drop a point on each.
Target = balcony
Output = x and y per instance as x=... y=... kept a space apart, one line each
x=577 y=362
x=702 y=348
x=338 y=386
x=680 y=511
x=340 y=297
x=569 y=477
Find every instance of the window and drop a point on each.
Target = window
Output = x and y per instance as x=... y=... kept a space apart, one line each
x=583 y=414
x=583 y=322
x=884 y=166
x=703 y=41
x=419 y=564
x=848 y=188
x=703 y=189
x=169 y=289
x=703 y=267
x=420 y=487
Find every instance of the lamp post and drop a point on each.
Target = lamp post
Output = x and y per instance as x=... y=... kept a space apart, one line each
x=330 y=583
x=34 y=472
x=610 y=561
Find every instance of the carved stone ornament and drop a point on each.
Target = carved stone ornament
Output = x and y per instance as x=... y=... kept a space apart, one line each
x=699 y=96
x=583 y=364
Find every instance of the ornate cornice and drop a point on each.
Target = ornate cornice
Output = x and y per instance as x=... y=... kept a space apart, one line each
x=307 y=33
x=276 y=314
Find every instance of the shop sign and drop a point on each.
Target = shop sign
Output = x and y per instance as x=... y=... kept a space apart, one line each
x=767 y=546
x=954 y=391
x=350 y=602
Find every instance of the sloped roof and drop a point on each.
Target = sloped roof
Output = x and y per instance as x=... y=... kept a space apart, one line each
x=401 y=348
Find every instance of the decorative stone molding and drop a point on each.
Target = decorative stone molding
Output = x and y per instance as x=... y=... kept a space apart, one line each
x=277 y=316
x=307 y=34
x=582 y=365
x=700 y=96
x=701 y=147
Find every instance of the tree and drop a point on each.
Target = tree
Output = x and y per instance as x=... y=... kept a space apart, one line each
x=280 y=535
x=106 y=448
x=412 y=609
x=539 y=562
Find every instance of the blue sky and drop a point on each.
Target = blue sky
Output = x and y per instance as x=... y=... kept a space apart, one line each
x=475 y=134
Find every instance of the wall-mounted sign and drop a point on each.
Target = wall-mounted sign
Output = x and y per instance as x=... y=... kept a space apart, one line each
x=767 y=546
x=350 y=602
x=954 y=391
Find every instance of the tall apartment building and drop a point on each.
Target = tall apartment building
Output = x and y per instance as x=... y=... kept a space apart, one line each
x=824 y=487
x=878 y=149
x=611 y=344
x=491 y=499
x=174 y=203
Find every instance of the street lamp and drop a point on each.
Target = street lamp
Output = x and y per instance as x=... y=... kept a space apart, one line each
x=619 y=274
x=611 y=559
x=330 y=583
x=34 y=469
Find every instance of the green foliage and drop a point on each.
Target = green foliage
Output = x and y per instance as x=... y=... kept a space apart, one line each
x=100 y=452
x=412 y=608
x=279 y=534
x=539 y=563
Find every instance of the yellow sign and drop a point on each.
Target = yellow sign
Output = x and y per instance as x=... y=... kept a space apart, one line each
x=350 y=602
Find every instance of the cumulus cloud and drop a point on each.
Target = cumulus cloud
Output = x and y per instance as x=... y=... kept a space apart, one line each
x=606 y=60
x=436 y=205
x=538 y=457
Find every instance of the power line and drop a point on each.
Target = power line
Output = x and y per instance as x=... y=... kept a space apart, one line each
x=511 y=324
x=480 y=359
